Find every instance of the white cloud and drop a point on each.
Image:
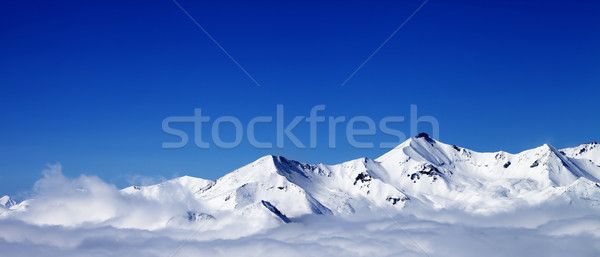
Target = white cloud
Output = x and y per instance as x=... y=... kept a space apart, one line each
x=85 y=216
x=313 y=237
x=89 y=201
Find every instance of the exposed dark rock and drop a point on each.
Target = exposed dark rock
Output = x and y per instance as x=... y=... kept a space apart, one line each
x=362 y=177
x=426 y=137
x=428 y=170
x=456 y=148
x=507 y=164
x=423 y=135
x=534 y=164
x=467 y=153
x=395 y=200
x=415 y=176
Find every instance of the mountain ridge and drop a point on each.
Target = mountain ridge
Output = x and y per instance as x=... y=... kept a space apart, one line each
x=420 y=172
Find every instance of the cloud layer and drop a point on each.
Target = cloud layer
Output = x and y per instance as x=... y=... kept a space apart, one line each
x=87 y=217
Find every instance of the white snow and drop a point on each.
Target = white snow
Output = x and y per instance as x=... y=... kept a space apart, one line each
x=6 y=202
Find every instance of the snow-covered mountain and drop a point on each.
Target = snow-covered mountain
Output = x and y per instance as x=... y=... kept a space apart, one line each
x=445 y=176
x=419 y=173
x=7 y=202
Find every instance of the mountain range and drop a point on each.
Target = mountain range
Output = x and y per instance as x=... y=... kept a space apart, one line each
x=419 y=173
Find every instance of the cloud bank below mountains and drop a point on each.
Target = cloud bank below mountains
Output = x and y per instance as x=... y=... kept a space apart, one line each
x=319 y=237
x=86 y=216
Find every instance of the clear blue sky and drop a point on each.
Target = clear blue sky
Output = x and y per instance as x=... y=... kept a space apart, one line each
x=88 y=83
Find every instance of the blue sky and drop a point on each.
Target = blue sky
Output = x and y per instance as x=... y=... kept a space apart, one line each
x=88 y=83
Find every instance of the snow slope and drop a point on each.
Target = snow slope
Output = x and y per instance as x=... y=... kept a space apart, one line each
x=6 y=202
x=445 y=176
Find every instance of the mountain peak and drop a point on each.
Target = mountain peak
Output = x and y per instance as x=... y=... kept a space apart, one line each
x=426 y=137
x=267 y=157
x=548 y=147
x=422 y=135
x=7 y=202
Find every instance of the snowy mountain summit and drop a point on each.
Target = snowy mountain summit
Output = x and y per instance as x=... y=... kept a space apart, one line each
x=419 y=173
x=6 y=202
